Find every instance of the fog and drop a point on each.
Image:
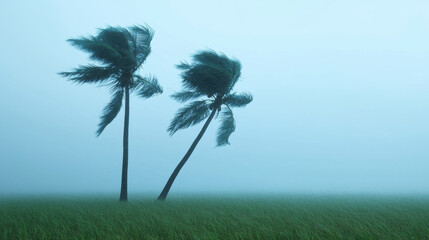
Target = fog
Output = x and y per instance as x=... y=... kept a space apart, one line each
x=341 y=93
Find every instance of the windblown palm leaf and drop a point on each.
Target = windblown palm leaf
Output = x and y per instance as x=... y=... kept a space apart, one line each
x=185 y=96
x=237 y=100
x=143 y=36
x=189 y=115
x=90 y=74
x=111 y=110
x=100 y=51
x=227 y=127
x=146 y=87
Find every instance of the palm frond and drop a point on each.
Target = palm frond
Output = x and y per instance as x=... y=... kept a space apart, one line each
x=111 y=111
x=189 y=115
x=146 y=87
x=183 y=66
x=236 y=73
x=143 y=35
x=237 y=100
x=226 y=128
x=89 y=74
x=185 y=96
x=99 y=50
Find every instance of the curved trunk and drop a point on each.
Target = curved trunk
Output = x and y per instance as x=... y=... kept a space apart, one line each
x=176 y=171
x=124 y=182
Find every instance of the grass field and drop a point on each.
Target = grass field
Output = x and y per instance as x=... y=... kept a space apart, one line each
x=280 y=217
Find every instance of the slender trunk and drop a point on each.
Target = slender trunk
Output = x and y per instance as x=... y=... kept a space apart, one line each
x=176 y=171
x=124 y=182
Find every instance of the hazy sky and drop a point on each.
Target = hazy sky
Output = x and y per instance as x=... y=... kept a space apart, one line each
x=341 y=98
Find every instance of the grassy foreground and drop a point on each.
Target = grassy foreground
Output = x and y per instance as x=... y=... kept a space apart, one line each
x=287 y=217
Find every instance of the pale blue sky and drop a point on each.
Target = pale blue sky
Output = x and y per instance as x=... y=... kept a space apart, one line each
x=341 y=98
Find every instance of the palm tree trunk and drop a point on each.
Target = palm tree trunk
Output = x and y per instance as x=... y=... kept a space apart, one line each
x=176 y=171
x=124 y=182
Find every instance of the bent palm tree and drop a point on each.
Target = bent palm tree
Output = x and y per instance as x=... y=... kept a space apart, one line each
x=208 y=81
x=121 y=52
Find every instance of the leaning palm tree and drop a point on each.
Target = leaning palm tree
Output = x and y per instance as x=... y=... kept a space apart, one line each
x=207 y=81
x=119 y=53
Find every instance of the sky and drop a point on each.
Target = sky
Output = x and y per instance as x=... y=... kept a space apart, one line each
x=341 y=98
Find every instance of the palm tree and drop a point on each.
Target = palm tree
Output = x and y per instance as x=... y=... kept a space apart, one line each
x=119 y=53
x=208 y=81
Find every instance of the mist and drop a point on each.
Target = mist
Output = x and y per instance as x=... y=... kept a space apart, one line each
x=340 y=98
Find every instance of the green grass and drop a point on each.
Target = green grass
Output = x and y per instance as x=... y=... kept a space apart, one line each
x=281 y=217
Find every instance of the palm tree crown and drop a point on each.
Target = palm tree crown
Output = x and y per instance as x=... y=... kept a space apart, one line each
x=118 y=52
x=208 y=81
